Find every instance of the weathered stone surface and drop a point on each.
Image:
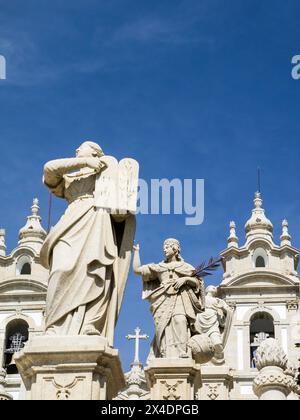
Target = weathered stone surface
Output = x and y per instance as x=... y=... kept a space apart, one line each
x=70 y=368
x=216 y=383
x=173 y=379
x=176 y=297
x=3 y=394
x=87 y=254
x=214 y=322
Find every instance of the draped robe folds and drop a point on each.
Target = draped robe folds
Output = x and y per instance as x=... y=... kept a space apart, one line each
x=167 y=304
x=88 y=254
x=216 y=319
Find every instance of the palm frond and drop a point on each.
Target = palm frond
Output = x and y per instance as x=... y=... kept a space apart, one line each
x=206 y=269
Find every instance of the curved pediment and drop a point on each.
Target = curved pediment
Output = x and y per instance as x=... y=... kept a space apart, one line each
x=261 y=278
x=254 y=243
x=19 y=286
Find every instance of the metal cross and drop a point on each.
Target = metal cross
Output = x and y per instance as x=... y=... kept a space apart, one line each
x=137 y=337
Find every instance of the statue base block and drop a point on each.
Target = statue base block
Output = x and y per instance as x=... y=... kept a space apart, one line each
x=173 y=379
x=70 y=368
x=217 y=381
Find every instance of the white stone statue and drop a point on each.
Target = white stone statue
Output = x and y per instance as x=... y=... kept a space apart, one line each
x=88 y=252
x=175 y=297
x=215 y=322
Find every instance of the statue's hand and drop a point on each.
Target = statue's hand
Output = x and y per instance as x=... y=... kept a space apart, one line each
x=179 y=283
x=94 y=163
x=136 y=247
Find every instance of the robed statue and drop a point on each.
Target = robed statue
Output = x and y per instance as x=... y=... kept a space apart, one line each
x=176 y=297
x=215 y=322
x=88 y=252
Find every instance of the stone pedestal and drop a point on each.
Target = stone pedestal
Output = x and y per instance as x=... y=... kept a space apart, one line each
x=70 y=368
x=173 y=379
x=216 y=383
x=272 y=384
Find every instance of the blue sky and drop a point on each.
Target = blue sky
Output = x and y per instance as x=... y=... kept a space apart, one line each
x=191 y=89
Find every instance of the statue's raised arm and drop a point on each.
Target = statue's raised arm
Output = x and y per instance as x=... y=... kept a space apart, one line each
x=85 y=160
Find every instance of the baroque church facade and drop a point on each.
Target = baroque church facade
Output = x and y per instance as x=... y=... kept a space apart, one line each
x=260 y=283
x=23 y=289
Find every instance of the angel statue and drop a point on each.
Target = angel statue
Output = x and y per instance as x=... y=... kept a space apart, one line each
x=88 y=251
x=175 y=296
x=215 y=322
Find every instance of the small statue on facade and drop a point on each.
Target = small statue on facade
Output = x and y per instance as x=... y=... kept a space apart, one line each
x=176 y=298
x=215 y=322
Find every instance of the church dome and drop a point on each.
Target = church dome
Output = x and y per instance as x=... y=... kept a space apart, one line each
x=258 y=224
x=33 y=234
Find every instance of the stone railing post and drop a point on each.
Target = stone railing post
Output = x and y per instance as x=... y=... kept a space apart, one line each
x=271 y=383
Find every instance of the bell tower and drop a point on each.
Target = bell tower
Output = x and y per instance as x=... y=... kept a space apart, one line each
x=261 y=283
x=23 y=288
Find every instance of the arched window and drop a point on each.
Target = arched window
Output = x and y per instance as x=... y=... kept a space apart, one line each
x=260 y=261
x=15 y=337
x=260 y=258
x=26 y=269
x=23 y=266
x=261 y=327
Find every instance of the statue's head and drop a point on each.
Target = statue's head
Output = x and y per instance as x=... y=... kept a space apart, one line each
x=172 y=248
x=211 y=290
x=89 y=149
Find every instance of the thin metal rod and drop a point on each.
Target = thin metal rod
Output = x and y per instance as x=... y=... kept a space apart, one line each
x=258 y=179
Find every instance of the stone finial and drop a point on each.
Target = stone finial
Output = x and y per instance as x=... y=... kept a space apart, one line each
x=35 y=207
x=232 y=238
x=2 y=243
x=33 y=233
x=135 y=379
x=292 y=371
x=3 y=394
x=258 y=224
x=257 y=200
x=272 y=381
x=285 y=238
x=136 y=384
x=270 y=353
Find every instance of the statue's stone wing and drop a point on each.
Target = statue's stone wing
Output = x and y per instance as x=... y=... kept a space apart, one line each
x=117 y=185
